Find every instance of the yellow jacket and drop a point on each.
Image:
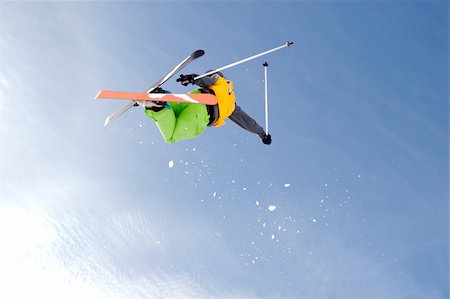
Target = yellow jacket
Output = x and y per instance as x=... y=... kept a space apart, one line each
x=224 y=91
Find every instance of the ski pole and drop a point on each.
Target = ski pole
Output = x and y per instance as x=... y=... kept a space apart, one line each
x=265 y=64
x=287 y=44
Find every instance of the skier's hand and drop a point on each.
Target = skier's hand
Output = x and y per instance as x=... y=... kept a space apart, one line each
x=266 y=139
x=186 y=79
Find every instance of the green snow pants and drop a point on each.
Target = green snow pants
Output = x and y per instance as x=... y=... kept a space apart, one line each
x=183 y=121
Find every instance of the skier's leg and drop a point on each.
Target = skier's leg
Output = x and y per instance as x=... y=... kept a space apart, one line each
x=183 y=121
x=166 y=121
x=191 y=122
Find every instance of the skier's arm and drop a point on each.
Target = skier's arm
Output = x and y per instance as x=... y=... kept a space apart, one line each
x=202 y=82
x=206 y=81
x=243 y=120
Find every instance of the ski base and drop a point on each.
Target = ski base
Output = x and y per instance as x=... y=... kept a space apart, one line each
x=203 y=98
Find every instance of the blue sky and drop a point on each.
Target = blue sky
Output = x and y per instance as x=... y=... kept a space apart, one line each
x=349 y=201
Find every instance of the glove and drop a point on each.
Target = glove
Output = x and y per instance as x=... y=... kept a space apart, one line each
x=266 y=139
x=186 y=79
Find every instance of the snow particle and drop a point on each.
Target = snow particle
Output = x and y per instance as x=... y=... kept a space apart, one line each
x=272 y=208
x=170 y=163
x=287 y=185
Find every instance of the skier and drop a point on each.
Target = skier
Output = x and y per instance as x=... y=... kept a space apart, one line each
x=185 y=120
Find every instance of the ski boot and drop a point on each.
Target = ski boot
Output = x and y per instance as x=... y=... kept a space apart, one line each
x=155 y=106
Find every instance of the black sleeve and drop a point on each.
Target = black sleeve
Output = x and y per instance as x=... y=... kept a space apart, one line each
x=206 y=81
x=243 y=120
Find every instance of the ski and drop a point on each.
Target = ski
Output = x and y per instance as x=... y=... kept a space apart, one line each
x=204 y=98
x=179 y=67
x=158 y=83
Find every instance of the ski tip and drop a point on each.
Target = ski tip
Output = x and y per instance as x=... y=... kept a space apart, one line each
x=106 y=122
x=198 y=53
x=289 y=44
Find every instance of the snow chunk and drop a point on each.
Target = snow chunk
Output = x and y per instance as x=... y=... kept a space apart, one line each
x=272 y=208
x=170 y=163
x=287 y=185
